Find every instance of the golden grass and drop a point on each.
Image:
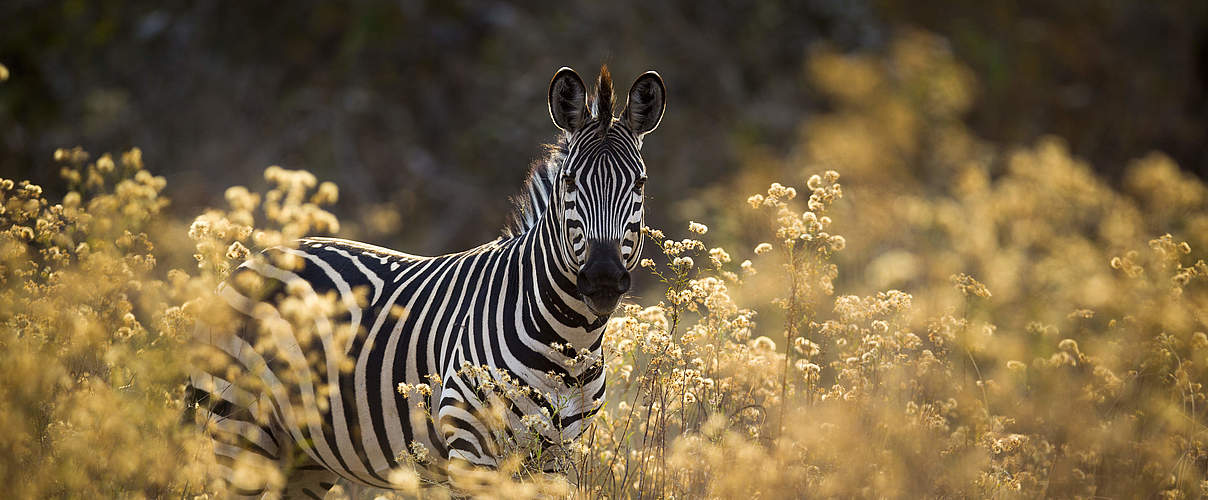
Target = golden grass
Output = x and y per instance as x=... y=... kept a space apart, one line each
x=990 y=323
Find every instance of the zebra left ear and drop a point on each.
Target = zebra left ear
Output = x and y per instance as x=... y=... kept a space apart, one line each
x=568 y=100
x=647 y=100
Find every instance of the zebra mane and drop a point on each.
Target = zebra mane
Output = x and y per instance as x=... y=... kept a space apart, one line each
x=601 y=106
x=533 y=199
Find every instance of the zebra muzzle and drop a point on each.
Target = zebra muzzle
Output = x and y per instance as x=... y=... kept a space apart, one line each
x=603 y=279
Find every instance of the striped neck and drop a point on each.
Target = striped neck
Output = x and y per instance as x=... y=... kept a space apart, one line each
x=556 y=295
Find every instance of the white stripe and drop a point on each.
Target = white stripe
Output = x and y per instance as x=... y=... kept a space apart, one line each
x=370 y=275
x=283 y=336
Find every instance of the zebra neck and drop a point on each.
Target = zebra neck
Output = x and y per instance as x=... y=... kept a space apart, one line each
x=556 y=298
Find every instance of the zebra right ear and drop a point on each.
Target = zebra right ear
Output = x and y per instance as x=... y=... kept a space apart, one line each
x=568 y=100
x=647 y=100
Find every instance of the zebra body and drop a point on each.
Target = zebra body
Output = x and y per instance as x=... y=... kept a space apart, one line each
x=528 y=308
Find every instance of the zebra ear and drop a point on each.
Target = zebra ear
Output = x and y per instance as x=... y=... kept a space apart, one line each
x=647 y=100
x=568 y=100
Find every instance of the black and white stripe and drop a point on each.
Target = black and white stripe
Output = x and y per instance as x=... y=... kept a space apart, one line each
x=516 y=304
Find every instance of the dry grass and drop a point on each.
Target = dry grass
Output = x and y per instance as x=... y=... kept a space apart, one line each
x=990 y=324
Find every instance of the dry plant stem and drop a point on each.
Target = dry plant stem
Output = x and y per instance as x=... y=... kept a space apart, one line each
x=981 y=384
x=654 y=372
x=1188 y=454
x=790 y=328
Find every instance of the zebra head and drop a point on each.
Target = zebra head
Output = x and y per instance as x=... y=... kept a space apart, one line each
x=600 y=186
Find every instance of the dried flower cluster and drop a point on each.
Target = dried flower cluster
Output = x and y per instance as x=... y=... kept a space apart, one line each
x=1006 y=324
x=90 y=330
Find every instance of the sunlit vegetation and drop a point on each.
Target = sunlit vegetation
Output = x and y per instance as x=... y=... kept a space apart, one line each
x=897 y=309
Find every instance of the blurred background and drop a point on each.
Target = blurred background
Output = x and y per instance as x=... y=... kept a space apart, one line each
x=432 y=110
x=1046 y=158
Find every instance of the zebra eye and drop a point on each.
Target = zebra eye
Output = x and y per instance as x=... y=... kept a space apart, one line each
x=637 y=186
x=569 y=182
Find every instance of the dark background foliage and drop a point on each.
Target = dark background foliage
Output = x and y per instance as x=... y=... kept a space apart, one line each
x=432 y=110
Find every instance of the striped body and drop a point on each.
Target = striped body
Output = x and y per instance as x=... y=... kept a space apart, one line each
x=524 y=306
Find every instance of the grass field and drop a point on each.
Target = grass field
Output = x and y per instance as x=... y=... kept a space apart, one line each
x=898 y=309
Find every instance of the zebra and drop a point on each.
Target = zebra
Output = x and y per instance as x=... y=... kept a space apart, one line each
x=520 y=308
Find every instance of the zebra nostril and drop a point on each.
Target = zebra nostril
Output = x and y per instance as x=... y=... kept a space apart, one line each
x=600 y=279
x=585 y=284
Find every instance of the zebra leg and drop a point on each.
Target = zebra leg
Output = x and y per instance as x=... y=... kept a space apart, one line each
x=246 y=451
x=466 y=437
x=309 y=480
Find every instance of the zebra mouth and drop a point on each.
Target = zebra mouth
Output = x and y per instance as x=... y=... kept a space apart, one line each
x=603 y=304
